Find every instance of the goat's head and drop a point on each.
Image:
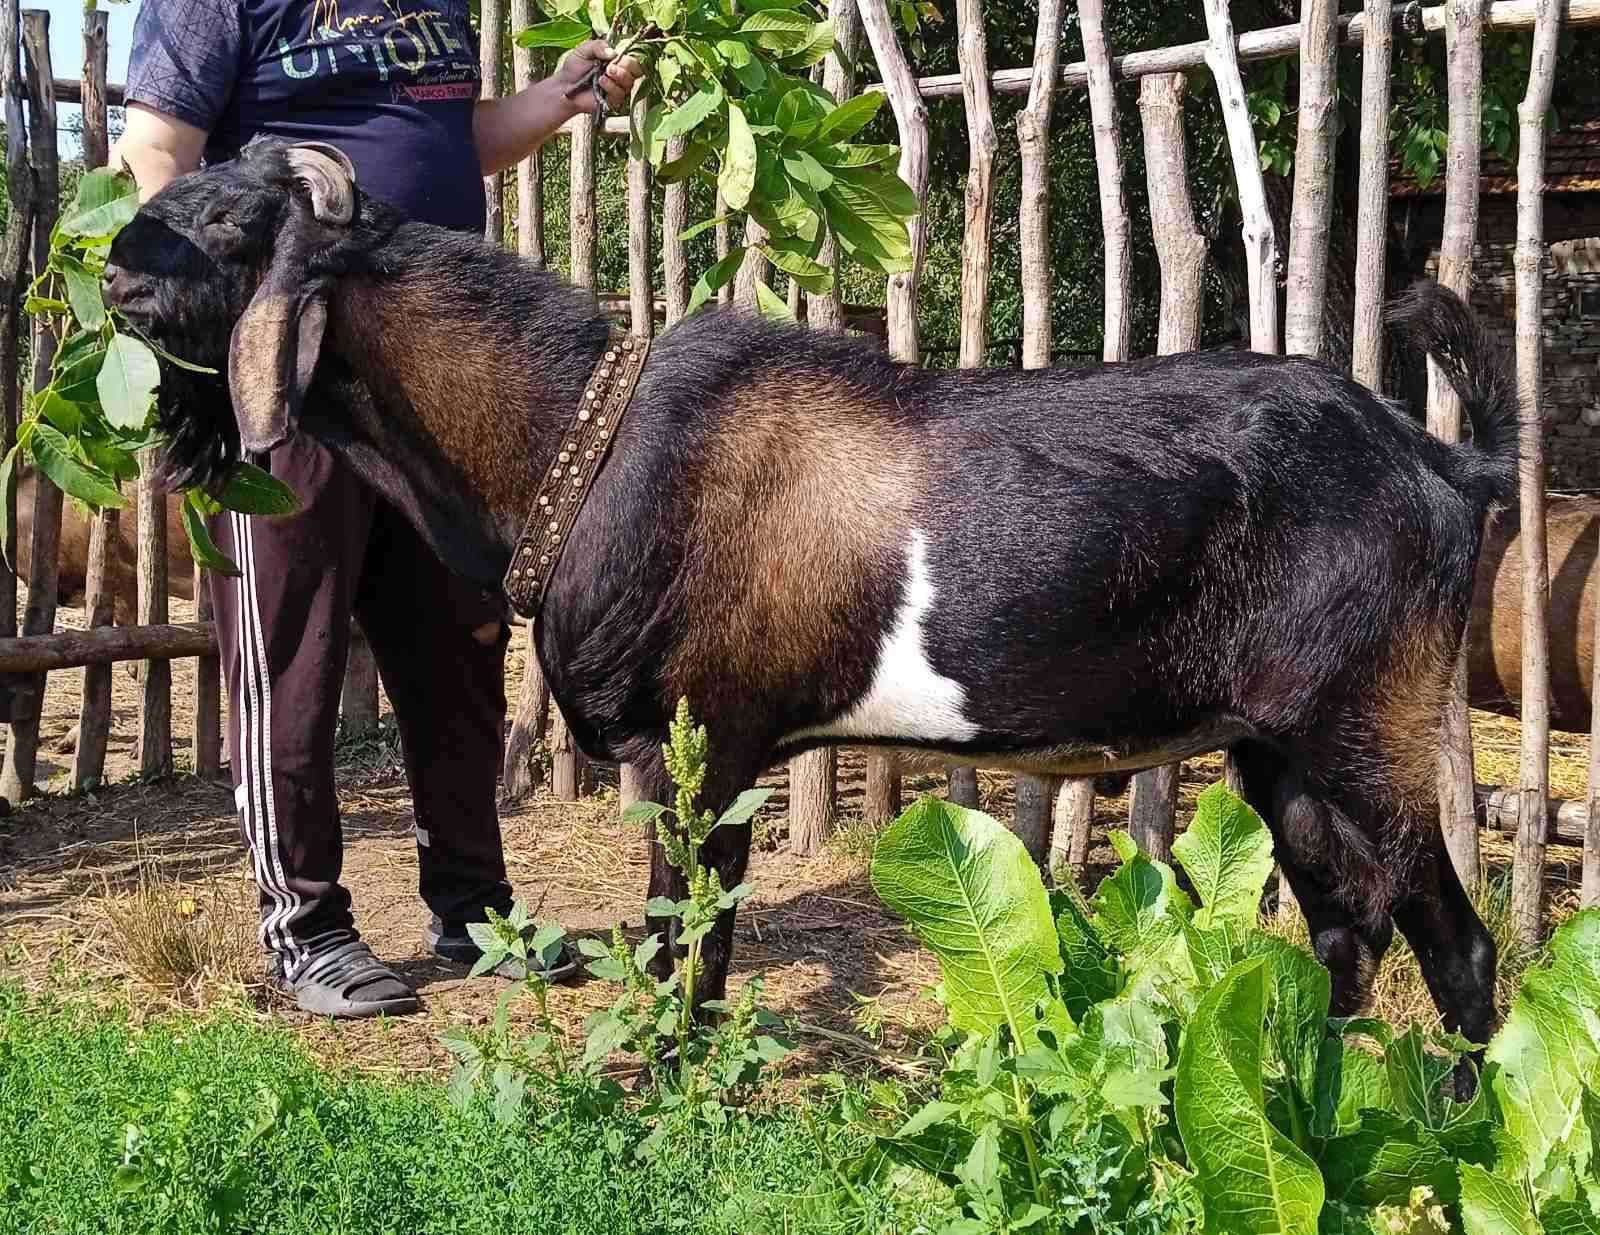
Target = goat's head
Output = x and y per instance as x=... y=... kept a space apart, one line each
x=231 y=267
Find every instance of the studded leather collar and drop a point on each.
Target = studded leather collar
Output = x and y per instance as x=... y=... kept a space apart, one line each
x=581 y=454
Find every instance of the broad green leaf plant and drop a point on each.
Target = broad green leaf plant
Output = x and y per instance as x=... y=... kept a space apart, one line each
x=85 y=429
x=730 y=79
x=1158 y=1063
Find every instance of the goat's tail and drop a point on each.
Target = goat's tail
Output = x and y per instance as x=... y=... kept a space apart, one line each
x=1434 y=321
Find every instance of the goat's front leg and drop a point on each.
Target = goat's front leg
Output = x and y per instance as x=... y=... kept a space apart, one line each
x=727 y=851
x=665 y=879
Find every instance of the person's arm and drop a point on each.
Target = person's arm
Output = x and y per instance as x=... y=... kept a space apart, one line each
x=156 y=148
x=506 y=131
x=181 y=73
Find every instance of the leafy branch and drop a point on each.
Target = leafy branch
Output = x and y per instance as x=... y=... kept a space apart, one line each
x=87 y=426
x=729 y=81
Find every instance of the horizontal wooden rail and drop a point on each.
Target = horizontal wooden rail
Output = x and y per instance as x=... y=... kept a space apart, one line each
x=1498 y=809
x=72 y=649
x=1273 y=43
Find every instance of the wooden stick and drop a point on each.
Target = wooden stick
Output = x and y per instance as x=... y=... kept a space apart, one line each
x=641 y=312
x=100 y=581
x=155 y=682
x=976 y=252
x=674 y=219
x=519 y=775
x=1464 y=61
x=13 y=277
x=491 y=34
x=1372 y=221
x=17 y=777
x=1260 y=240
x=1566 y=820
x=1527 y=867
x=911 y=116
x=814 y=776
x=724 y=238
x=1033 y=137
x=1074 y=821
x=1311 y=216
x=581 y=184
x=358 y=702
x=206 y=732
x=568 y=767
x=530 y=172
x=104 y=645
x=754 y=269
x=1108 y=162
x=1181 y=250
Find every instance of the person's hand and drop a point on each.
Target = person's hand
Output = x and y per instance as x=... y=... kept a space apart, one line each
x=616 y=82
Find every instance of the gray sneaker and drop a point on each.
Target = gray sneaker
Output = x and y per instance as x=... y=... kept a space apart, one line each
x=344 y=979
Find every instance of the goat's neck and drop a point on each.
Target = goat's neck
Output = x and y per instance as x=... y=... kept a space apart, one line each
x=472 y=387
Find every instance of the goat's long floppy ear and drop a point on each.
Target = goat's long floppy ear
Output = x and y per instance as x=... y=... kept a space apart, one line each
x=273 y=351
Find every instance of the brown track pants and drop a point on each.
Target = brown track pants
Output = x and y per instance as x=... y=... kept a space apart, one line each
x=284 y=630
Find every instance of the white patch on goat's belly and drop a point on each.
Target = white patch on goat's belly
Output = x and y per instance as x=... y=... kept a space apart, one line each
x=908 y=700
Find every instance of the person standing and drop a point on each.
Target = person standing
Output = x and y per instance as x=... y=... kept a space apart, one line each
x=395 y=88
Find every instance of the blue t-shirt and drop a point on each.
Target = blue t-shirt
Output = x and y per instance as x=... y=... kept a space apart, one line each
x=391 y=86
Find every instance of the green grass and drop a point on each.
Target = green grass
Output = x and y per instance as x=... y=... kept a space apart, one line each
x=358 y=1155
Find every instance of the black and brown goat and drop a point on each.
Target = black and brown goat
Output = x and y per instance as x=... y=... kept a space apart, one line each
x=1051 y=571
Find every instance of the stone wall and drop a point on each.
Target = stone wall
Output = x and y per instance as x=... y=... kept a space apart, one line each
x=1571 y=312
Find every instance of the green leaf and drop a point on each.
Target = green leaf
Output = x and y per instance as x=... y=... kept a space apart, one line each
x=715 y=279
x=805 y=168
x=772 y=305
x=681 y=168
x=252 y=491
x=705 y=225
x=66 y=416
x=83 y=293
x=1140 y=909
x=1574 y=1217
x=690 y=113
x=777 y=30
x=974 y=898
x=1349 y=1080
x=866 y=230
x=738 y=176
x=8 y=481
x=1089 y=974
x=1298 y=1016
x=127 y=382
x=745 y=805
x=1252 y=1178
x=1491 y=1205
x=106 y=202
x=849 y=118
x=1227 y=853
x=1386 y=1157
x=1416 y=1076
x=1549 y=1046
x=562 y=33
x=643 y=812
x=203 y=548
x=53 y=454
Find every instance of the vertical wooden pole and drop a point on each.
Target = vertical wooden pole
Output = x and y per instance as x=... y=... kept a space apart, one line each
x=1108 y=163
x=1464 y=64
x=754 y=269
x=814 y=776
x=724 y=237
x=1527 y=869
x=674 y=219
x=530 y=172
x=567 y=764
x=100 y=575
x=976 y=254
x=1069 y=841
x=1311 y=217
x=641 y=310
x=491 y=34
x=13 y=279
x=17 y=778
x=1372 y=217
x=911 y=115
x=1072 y=809
x=1181 y=249
x=1260 y=238
x=358 y=703
x=519 y=774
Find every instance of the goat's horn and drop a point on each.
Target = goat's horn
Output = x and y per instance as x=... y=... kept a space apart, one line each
x=330 y=176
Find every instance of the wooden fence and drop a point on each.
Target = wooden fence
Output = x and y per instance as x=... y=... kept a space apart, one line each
x=1053 y=816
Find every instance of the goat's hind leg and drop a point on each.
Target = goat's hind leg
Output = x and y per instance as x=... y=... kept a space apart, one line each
x=1305 y=829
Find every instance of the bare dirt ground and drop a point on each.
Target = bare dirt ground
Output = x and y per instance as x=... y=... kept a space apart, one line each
x=83 y=881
